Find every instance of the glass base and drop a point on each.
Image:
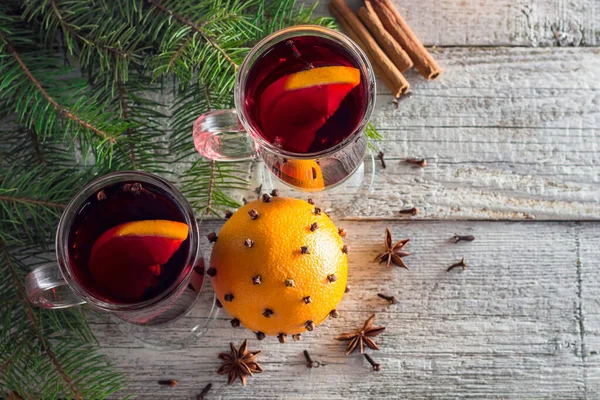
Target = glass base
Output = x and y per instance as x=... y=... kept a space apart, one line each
x=181 y=326
x=339 y=201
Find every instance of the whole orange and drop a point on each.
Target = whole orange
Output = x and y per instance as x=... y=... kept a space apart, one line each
x=279 y=266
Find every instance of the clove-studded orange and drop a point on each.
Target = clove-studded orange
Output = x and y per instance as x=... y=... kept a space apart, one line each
x=279 y=267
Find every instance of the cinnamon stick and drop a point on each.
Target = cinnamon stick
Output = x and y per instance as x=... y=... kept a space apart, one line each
x=387 y=42
x=399 y=29
x=388 y=72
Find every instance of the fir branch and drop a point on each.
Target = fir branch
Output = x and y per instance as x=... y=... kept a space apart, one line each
x=59 y=109
x=33 y=202
x=36 y=146
x=196 y=28
x=36 y=329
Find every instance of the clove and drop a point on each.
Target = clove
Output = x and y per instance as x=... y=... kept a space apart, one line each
x=381 y=158
x=421 y=162
x=235 y=323
x=311 y=201
x=281 y=338
x=212 y=237
x=248 y=242
x=204 y=392
x=211 y=272
x=256 y=280
x=266 y=198
x=268 y=312
x=253 y=214
x=274 y=192
x=334 y=313
x=260 y=335
x=296 y=337
x=376 y=366
x=314 y=226
x=168 y=382
x=390 y=299
x=411 y=211
x=462 y=263
x=228 y=214
x=304 y=250
x=466 y=238
x=309 y=362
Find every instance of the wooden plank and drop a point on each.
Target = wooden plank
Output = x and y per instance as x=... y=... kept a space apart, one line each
x=508 y=133
x=587 y=239
x=500 y=22
x=507 y=327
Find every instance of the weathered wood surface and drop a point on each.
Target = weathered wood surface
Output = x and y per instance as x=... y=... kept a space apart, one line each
x=521 y=322
x=499 y=22
x=508 y=133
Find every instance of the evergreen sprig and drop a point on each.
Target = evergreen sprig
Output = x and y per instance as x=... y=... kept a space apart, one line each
x=92 y=86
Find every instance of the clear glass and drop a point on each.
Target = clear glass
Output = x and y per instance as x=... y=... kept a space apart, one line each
x=227 y=135
x=55 y=285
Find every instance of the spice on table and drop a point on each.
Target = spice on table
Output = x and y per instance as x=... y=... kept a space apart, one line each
x=376 y=366
x=399 y=30
x=168 y=382
x=239 y=363
x=387 y=42
x=380 y=156
x=362 y=337
x=390 y=299
x=212 y=237
x=383 y=66
x=465 y=238
x=204 y=392
x=393 y=254
x=410 y=211
x=309 y=362
x=462 y=263
x=421 y=162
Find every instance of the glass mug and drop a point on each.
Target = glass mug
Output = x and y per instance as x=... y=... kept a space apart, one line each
x=63 y=284
x=279 y=133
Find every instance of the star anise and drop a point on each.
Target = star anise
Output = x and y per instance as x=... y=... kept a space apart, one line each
x=393 y=254
x=241 y=363
x=362 y=337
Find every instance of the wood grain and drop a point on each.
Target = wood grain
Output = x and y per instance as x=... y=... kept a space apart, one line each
x=508 y=133
x=529 y=23
x=512 y=325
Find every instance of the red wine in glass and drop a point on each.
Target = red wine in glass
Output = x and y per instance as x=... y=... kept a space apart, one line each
x=305 y=94
x=129 y=268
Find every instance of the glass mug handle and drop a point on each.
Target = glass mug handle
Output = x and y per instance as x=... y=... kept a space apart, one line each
x=46 y=288
x=220 y=136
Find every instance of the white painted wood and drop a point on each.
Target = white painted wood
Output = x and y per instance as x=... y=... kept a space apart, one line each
x=508 y=133
x=507 y=327
x=499 y=22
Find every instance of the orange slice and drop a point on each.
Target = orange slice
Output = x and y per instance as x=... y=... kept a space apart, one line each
x=297 y=105
x=125 y=259
x=303 y=174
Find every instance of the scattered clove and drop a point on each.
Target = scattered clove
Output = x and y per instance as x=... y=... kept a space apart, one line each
x=465 y=238
x=411 y=211
x=421 y=162
x=376 y=366
x=309 y=362
x=381 y=158
x=235 y=323
x=204 y=392
x=168 y=382
x=390 y=299
x=212 y=237
x=462 y=263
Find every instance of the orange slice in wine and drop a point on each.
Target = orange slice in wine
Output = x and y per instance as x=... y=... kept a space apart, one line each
x=303 y=174
x=296 y=106
x=126 y=258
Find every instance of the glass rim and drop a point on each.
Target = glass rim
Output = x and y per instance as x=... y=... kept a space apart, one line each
x=305 y=30
x=74 y=206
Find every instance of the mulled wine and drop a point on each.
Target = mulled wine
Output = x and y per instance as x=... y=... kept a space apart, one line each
x=128 y=243
x=305 y=94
